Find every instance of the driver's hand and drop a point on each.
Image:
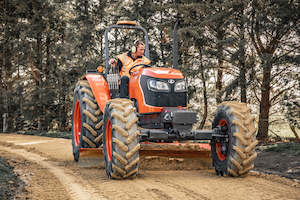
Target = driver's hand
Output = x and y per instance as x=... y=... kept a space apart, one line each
x=113 y=62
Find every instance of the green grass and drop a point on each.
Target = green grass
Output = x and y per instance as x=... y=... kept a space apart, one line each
x=66 y=135
x=289 y=148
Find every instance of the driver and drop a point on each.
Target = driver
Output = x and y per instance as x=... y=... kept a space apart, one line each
x=126 y=61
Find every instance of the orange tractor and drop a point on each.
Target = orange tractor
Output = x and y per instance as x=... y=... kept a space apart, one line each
x=155 y=112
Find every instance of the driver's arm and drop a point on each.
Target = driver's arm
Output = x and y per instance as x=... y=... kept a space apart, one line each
x=116 y=63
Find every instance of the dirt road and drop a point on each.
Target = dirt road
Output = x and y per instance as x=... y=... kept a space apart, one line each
x=46 y=166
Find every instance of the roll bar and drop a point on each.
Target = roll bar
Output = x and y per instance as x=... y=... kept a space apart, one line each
x=124 y=25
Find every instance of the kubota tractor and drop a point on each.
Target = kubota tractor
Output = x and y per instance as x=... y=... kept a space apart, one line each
x=155 y=112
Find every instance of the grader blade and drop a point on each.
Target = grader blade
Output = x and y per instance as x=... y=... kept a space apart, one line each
x=174 y=150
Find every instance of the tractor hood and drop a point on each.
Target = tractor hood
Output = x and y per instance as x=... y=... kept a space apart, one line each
x=159 y=72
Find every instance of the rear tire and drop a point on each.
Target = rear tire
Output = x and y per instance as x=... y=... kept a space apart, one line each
x=120 y=139
x=87 y=119
x=238 y=159
x=76 y=127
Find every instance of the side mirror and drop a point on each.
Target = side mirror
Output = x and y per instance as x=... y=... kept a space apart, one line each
x=100 y=69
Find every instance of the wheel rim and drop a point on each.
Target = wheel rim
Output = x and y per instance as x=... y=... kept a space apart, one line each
x=108 y=141
x=77 y=123
x=221 y=156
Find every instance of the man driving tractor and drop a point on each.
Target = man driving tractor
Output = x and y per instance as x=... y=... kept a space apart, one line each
x=126 y=61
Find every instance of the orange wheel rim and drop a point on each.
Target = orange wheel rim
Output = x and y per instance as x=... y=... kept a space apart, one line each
x=77 y=123
x=221 y=156
x=108 y=141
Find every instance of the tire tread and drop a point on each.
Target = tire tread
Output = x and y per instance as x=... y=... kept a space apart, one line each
x=242 y=155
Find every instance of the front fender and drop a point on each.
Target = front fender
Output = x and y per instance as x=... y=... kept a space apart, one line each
x=100 y=89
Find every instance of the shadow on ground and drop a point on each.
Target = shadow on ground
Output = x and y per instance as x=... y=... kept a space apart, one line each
x=10 y=183
x=282 y=159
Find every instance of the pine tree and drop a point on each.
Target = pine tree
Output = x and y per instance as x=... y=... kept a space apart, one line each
x=274 y=24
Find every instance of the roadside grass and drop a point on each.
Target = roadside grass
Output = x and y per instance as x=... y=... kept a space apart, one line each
x=53 y=134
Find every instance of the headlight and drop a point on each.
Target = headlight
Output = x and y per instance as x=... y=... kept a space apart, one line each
x=159 y=86
x=180 y=86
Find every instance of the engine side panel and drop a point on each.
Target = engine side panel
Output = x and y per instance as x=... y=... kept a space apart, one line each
x=135 y=92
x=100 y=89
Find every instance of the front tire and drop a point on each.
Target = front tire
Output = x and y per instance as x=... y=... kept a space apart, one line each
x=235 y=157
x=120 y=139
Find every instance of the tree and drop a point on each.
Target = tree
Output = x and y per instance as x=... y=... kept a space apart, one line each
x=8 y=37
x=195 y=46
x=273 y=24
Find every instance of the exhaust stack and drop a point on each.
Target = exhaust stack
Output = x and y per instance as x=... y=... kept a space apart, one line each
x=175 y=47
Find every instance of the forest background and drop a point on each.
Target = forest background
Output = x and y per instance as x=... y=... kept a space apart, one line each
x=246 y=51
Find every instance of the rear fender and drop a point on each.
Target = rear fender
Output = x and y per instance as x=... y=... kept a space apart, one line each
x=100 y=89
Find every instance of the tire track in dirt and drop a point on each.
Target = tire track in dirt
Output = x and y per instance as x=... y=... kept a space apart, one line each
x=72 y=184
x=161 y=194
x=180 y=188
x=266 y=181
x=189 y=193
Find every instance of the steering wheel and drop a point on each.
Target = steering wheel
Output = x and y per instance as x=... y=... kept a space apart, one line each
x=143 y=66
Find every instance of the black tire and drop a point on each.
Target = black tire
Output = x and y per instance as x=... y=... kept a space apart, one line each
x=91 y=119
x=76 y=141
x=238 y=158
x=120 y=139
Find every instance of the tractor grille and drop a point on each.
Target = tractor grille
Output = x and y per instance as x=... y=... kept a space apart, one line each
x=163 y=99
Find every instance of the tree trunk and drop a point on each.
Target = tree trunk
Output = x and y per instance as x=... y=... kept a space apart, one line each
x=2 y=90
x=6 y=64
x=5 y=123
x=39 y=82
x=1 y=95
x=48 y=56
x=65 y=113
x=263 y=124
x=60 y=103
x=204 y=98
x=20 y=114
x=161 y=37
x=242 y=58
x=219 y=84
x=242 y=84
x=294 y=131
